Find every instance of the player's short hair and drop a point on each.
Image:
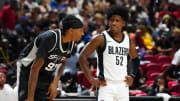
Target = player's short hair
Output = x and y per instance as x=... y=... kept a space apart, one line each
x=71 y=22
x=118 y=10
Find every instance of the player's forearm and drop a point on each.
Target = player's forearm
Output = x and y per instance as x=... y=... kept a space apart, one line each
x=61 y=69
x=32 y=84
x=38 y=62
x=84 y=66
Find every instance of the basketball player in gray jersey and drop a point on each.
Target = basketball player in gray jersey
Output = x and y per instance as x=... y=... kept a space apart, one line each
x=38 y=62
x=113 y=48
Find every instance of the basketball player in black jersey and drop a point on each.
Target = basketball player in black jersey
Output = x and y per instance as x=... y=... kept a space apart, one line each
x=42 y=62
x=113 y=48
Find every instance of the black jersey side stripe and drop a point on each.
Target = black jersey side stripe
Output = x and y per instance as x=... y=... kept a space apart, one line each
x=100 y=59
x=129 y=42
x=100 y=66
x=104 y=47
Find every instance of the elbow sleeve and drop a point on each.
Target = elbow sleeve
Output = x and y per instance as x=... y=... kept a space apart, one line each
x=134 y=67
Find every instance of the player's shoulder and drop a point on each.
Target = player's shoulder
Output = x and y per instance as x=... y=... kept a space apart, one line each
x=100 y=37
x=47 y=35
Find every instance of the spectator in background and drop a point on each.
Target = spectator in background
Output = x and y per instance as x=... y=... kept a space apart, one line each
x=23 y=28
x=99 y=29
x=164 y=5
x=8 y=59
x=72 y=8
x=6 y=91
x=44 y=7
x=100 y=6
x=172 y=72
x=98 y=18
x=52 y=18
x=162 y=28
x=34 y=16
x=31 y=4
x=160 y=88
x=87 y=7
x=7 y=15
x=58 y=4
x=147 y=39
x=176 y=59
x=22 y=7
x=139 y=43
x=163 y=46
x=53 y=25
x=4 y=51
x=37 y=29
x=176 y=32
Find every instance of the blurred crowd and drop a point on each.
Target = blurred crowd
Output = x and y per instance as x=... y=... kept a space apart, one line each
x=153 y=25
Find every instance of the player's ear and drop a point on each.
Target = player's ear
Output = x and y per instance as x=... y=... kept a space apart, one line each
x=70 y=31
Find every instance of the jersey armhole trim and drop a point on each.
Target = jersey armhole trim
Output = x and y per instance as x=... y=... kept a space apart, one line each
x=129 y=42
x=101 y=50
x=72 y=46
x=55 y=42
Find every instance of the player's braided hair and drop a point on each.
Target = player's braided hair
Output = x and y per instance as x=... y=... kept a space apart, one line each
x=71 y=22
x=118 y=10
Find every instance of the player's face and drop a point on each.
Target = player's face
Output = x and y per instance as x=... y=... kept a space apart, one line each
x=77 y=34
x=2 y=79
x=116 y=23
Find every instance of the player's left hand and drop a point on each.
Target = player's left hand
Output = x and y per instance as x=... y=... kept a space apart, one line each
x=129 y=80
x=52 y=91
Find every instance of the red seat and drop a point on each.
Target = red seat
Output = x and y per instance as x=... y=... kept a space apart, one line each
x=163 y=67
x=80 y=76
x=153 y=70
x=174 y=88
x=137 y=93
x=152 y=74
x=149 y=57
x=82 y=80
x=149 y=83
x=153 y=66
x=162 y=59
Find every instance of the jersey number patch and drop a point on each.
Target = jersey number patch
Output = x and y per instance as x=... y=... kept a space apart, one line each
x=119 y=60
x=51 y=66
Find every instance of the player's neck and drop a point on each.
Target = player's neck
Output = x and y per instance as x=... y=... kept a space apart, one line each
x=65 y=39
x=116 y=35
